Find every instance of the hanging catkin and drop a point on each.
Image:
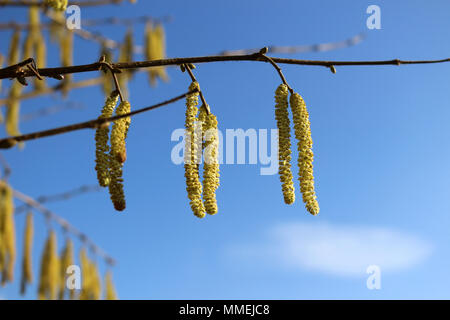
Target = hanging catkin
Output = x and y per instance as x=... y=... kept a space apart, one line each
x=27 y=270
x=155 y=48
x=110 y=290
x=107 y=80
x=90 y=278
x=57 y=4
x=302 y=130
x=7 y=234
x=13 y=109
x=66 y=57
x=101 y=141
x=50 y=270
x=284 y=143
x=118 y=155
x=191 y=154
x=85 y=275
x=14 y=50
x=38 y=43
x=65 y=262
x=211 y=157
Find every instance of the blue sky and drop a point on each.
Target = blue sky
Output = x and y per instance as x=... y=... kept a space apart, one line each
x=381 y=158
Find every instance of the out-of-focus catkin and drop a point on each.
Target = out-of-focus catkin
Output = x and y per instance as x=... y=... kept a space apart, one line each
x=7 y=234
x=191 y=154
x=14 y=49
x=57 y=4
x=211 y=157
x=27 y=270
x=65 y=261
x=118 y=155
x=155 y=48
x=110 y=290
x=284 y=143
x=13 y=109
x=302 y=130
x=66 y=57
x=101 y=141
x=50 y=270
x=90 y=278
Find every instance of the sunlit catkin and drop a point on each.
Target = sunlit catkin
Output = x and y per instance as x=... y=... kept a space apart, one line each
x=305 y=154
x=101 y=141
x=50 y=276
x=7 y=234
x=191 y=154
x=110 y=290
x=211 y=158
x=119 y=132
x=65 y=261
x=284 y=143
x=118 y=155
x=155 y=48
x=66 y=57
x=13 y=109
x=27 y=270
x=14 y=50
x=57 y=4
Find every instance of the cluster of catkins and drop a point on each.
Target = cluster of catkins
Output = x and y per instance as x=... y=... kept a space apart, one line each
x=109 y=159
x=155 y=49
x=302 y=132
x=57 y=4
x=33 y=46
x=201 y=135
x=53 y=282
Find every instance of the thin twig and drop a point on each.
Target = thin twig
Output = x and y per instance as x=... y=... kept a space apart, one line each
x=8 y=73
x=60 y=196
x=11 y=141
x=6 y=168
x=188 y=69
x=319 y=47
x=280 y=73
x=56 y=88
x=64 y=224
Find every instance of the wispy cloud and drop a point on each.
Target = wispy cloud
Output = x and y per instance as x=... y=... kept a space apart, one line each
x=335 y=249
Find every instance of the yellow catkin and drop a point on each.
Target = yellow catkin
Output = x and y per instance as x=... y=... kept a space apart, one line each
x=211 y=158
x=90 y=278
x=14 y=50
x=119 y=132
x=155 y=48
x=57 y=4
x=13 y=109
x=117 y=156
x=27 y=270
x=191 y=154
x=110 y=290
x=305 y=154
x=66 y=261
x=66 y=57
x=107 y=79
x=96 y=286
x=38 y=44
x=7 y=234
x=284 y=143
x=50 y=270
x=101 y=141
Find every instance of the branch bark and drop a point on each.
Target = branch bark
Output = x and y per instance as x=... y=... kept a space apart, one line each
x=55 y=72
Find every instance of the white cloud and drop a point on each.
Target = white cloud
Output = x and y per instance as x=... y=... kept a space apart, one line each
x=336 y=249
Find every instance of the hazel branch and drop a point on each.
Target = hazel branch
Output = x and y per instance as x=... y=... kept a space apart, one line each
x=53 y=72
